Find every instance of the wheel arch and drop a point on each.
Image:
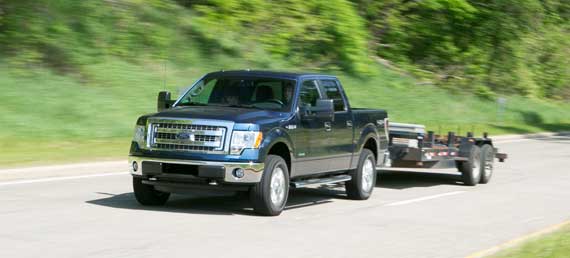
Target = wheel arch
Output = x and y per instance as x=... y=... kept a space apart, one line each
x=278 y=142
x=369 y=138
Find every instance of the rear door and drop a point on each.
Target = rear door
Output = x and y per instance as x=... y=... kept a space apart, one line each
x=311 y=137
x=340 y=146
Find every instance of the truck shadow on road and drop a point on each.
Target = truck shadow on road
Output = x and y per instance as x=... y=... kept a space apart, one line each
x=230 y=203
x=404 y=179
x=215 y=203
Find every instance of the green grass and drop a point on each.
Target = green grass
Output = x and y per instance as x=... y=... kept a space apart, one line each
x=554 y=245
x=87 y=111
x=51 y=118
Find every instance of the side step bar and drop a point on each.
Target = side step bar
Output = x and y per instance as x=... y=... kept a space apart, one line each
x=320 y=181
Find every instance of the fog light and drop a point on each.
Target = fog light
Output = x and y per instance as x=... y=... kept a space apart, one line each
x=238 y=172
x=135 y=166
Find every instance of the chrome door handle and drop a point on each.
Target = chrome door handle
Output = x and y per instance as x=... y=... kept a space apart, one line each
x=349 y=123
x=328 y=126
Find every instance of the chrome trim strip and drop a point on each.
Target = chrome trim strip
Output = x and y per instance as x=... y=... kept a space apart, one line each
x=200 y=132
x=253 y=171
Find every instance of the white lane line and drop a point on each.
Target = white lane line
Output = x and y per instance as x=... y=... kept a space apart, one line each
x=63 y=178
x=430 y=197
x=517 y=140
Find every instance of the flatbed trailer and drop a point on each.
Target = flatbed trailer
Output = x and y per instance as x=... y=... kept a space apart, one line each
x=411 y=147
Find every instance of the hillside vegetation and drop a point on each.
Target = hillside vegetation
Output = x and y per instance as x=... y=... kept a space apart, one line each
x=75 y=75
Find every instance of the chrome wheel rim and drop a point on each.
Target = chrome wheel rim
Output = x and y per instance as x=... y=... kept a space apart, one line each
x=488 y=169
x=476 y=167
x=277 y=187
x=367 y=175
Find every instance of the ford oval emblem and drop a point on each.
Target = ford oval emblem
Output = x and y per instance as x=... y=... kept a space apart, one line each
x=185 y=136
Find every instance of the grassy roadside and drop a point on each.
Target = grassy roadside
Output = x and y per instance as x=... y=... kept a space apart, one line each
x=555 y=245
x=50 y=118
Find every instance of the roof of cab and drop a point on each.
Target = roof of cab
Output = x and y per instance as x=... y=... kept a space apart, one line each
x=262 y=73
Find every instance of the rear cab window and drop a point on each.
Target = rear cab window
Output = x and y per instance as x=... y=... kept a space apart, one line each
x=331 y=90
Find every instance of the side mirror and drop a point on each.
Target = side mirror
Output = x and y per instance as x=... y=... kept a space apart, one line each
x=324 y=108
x=163 y=102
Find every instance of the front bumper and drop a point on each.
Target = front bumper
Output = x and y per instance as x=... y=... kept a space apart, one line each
x=209 y=170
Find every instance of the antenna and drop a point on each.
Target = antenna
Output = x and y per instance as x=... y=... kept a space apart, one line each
x=164 y=75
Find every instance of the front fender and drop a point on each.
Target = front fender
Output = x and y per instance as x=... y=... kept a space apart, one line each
x=275 y=136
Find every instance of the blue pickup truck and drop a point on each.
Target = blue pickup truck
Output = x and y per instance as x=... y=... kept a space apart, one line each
x=260 y=132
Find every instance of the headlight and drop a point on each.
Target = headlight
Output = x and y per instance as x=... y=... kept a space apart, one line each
x=140 y=136
x=245 y=140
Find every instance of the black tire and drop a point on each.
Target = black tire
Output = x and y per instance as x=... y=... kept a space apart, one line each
x=487 y=162
x=260 y=194
x=147 y=195
x=470 y=169
x=355 y=187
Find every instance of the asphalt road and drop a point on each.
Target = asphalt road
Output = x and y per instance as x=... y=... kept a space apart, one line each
x=410 y=215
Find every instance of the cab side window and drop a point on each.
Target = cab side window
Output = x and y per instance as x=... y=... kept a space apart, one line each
x=332 y=91
x=309 y=93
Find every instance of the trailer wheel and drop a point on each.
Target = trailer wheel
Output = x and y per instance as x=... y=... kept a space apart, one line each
x=487 y=159
x=471 y=169
x=363 y=177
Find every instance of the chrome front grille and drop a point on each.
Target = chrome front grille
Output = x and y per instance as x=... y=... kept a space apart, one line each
x=185 y=135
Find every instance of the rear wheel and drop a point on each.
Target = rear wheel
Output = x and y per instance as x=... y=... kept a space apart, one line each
x=471 y=168
x=363 y=180
x=487 y=160
x=147 y=195
x=270 y=195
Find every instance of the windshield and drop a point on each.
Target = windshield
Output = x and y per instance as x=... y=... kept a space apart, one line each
x=243 y=92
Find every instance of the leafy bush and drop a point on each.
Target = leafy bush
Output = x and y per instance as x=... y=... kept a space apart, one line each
x=506 y=46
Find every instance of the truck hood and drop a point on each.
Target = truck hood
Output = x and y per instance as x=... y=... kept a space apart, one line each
x=237 y=115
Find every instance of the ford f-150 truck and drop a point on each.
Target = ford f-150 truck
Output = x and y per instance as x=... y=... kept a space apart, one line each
x=257 y=131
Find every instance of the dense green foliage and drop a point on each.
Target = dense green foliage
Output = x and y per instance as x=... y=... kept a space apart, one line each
x=74 y=75
x=508 y=46
x=483 y=46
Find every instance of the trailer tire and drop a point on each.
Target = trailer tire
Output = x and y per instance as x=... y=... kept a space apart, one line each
x=269 y=196
x=471 y=169
x=487 y=160
x=147 y=195
x=363 y=180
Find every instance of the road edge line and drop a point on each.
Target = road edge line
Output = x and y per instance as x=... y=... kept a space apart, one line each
x=518 y=240
x=62 y=178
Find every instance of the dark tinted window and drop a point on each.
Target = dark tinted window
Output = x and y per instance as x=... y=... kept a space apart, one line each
x=332 y=90
x=245 y=92
x=309 y=93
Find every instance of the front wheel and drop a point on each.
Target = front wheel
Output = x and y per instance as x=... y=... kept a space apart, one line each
x=147 y=195
x=270 y=195
x=363 y=180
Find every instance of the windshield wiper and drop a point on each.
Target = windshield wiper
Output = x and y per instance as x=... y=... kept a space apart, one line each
x=244 y=106
x=191 y=104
